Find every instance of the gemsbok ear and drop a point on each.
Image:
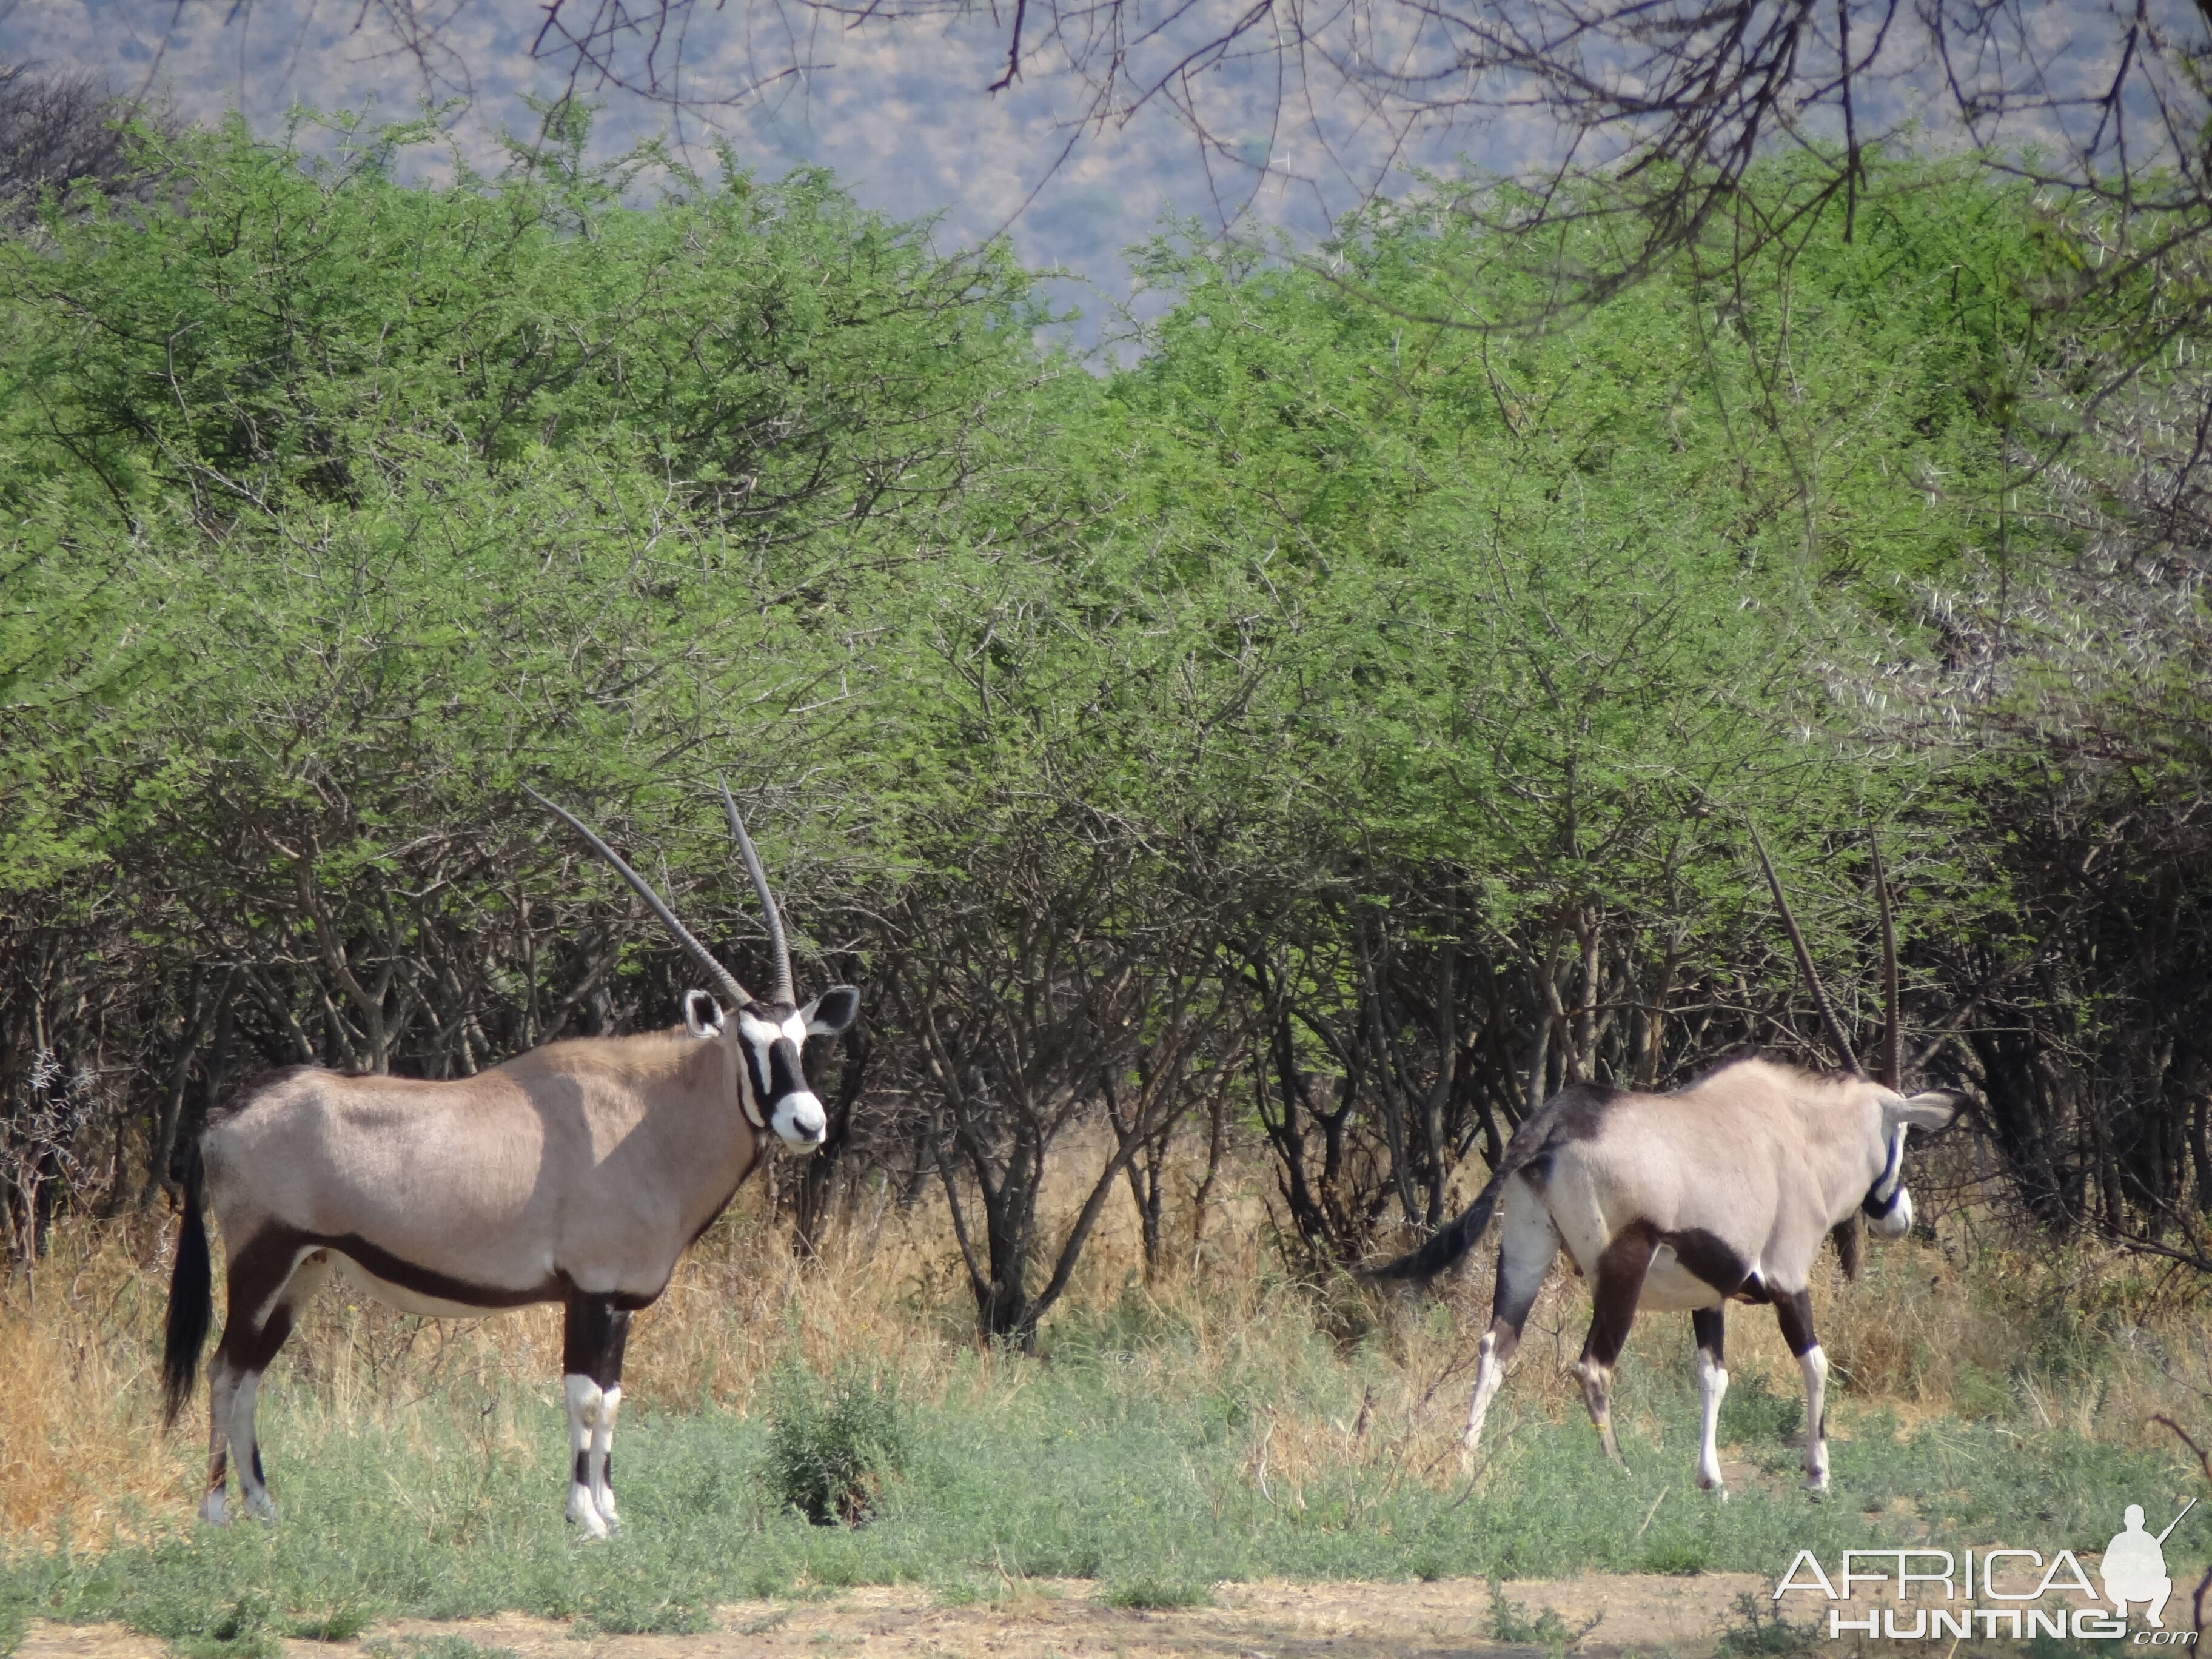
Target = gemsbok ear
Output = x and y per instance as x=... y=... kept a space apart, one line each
x=832 y=1012
x=1933 y=1110
x=702 y=1014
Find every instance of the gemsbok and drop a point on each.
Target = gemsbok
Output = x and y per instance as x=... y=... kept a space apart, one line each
x=1722 y=1190
x=576 y=1173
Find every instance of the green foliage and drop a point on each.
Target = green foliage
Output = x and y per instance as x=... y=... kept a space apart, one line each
x=1346 y=671
x=1750 y=1411
x=1154 y=1594
x=432 y=1647
x=1673 y=1554
x=831 y=1449
x=1759 y=1627
x=1509 y=1623
x=340 y=1623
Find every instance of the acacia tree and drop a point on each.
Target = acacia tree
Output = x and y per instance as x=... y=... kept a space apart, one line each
x=1048 y=984
x=338 y=507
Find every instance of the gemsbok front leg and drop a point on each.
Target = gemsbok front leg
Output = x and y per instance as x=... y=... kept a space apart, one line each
x=596 y=1334
x=1710 y=1325
x=1527 y=1243
x=1794 y=1312
x=1616 y=1286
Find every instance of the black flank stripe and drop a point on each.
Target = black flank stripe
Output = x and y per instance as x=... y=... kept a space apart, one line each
x=1709 y=1257
x=428 y=1281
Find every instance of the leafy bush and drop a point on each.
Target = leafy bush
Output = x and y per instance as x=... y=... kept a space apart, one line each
x=1511 y=1623
x=831 y=1449
x=1756 y=1630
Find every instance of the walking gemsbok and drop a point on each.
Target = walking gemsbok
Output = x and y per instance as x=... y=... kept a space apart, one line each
x=1721 y=1190
x=576 y=1173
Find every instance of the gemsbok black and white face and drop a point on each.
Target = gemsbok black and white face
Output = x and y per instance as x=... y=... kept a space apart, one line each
x=1887 y=1205
x=770 y=1041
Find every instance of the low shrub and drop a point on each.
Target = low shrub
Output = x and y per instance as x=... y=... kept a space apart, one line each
x=832 y=1448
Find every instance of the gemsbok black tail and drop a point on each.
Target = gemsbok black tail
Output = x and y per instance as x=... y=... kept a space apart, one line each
x=1539 y=1133
x=1452 y=1241
x=191 y=1295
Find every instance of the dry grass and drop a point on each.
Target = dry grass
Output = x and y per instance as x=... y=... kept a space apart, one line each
x=1976 y=1324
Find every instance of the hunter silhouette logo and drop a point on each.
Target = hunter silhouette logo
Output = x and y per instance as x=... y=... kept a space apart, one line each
x=2135 y=1566
x=2000 y=1594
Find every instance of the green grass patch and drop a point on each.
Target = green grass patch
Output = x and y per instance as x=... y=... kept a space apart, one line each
x=1089 y=1466
x=1150 y=1591
x=432 y=1647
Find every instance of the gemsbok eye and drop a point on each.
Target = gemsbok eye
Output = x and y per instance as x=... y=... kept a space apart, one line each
x=460 y=1198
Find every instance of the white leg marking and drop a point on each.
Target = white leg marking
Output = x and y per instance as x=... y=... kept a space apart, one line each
x=246 y=1448
x=1526 y=1243
x=221 y=1384
x=584 y=1403
x=1814 y=1364
x=1486 y=1374
x=1489 y=1373
x=602 y=1446
x=1713 y=1386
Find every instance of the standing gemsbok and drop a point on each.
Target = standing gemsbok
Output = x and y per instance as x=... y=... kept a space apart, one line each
x=576 y=1173
x=1721 y=1190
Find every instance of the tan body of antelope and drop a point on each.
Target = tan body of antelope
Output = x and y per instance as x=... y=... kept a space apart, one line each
x=577 y=1173
x=1683 y=1202
x=1721 y=1191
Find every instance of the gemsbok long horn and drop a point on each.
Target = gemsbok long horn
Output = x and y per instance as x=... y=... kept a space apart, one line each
x=777 y=946
x=1893 y=1060
x=1843 y=1049
x=725 y=981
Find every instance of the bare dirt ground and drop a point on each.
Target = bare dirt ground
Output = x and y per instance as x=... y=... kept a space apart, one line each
x=1062 y=1619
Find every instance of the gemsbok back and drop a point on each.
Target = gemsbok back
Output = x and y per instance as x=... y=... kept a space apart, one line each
x=576 y=1173
x=1720 y=1191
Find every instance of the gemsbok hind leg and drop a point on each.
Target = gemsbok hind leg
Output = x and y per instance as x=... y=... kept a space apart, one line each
x=1710 y=1325
x=595 y=1334
x=1526 y=1244
x=1615 y=1287
x=1795 y=1313
x=268 y=1281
